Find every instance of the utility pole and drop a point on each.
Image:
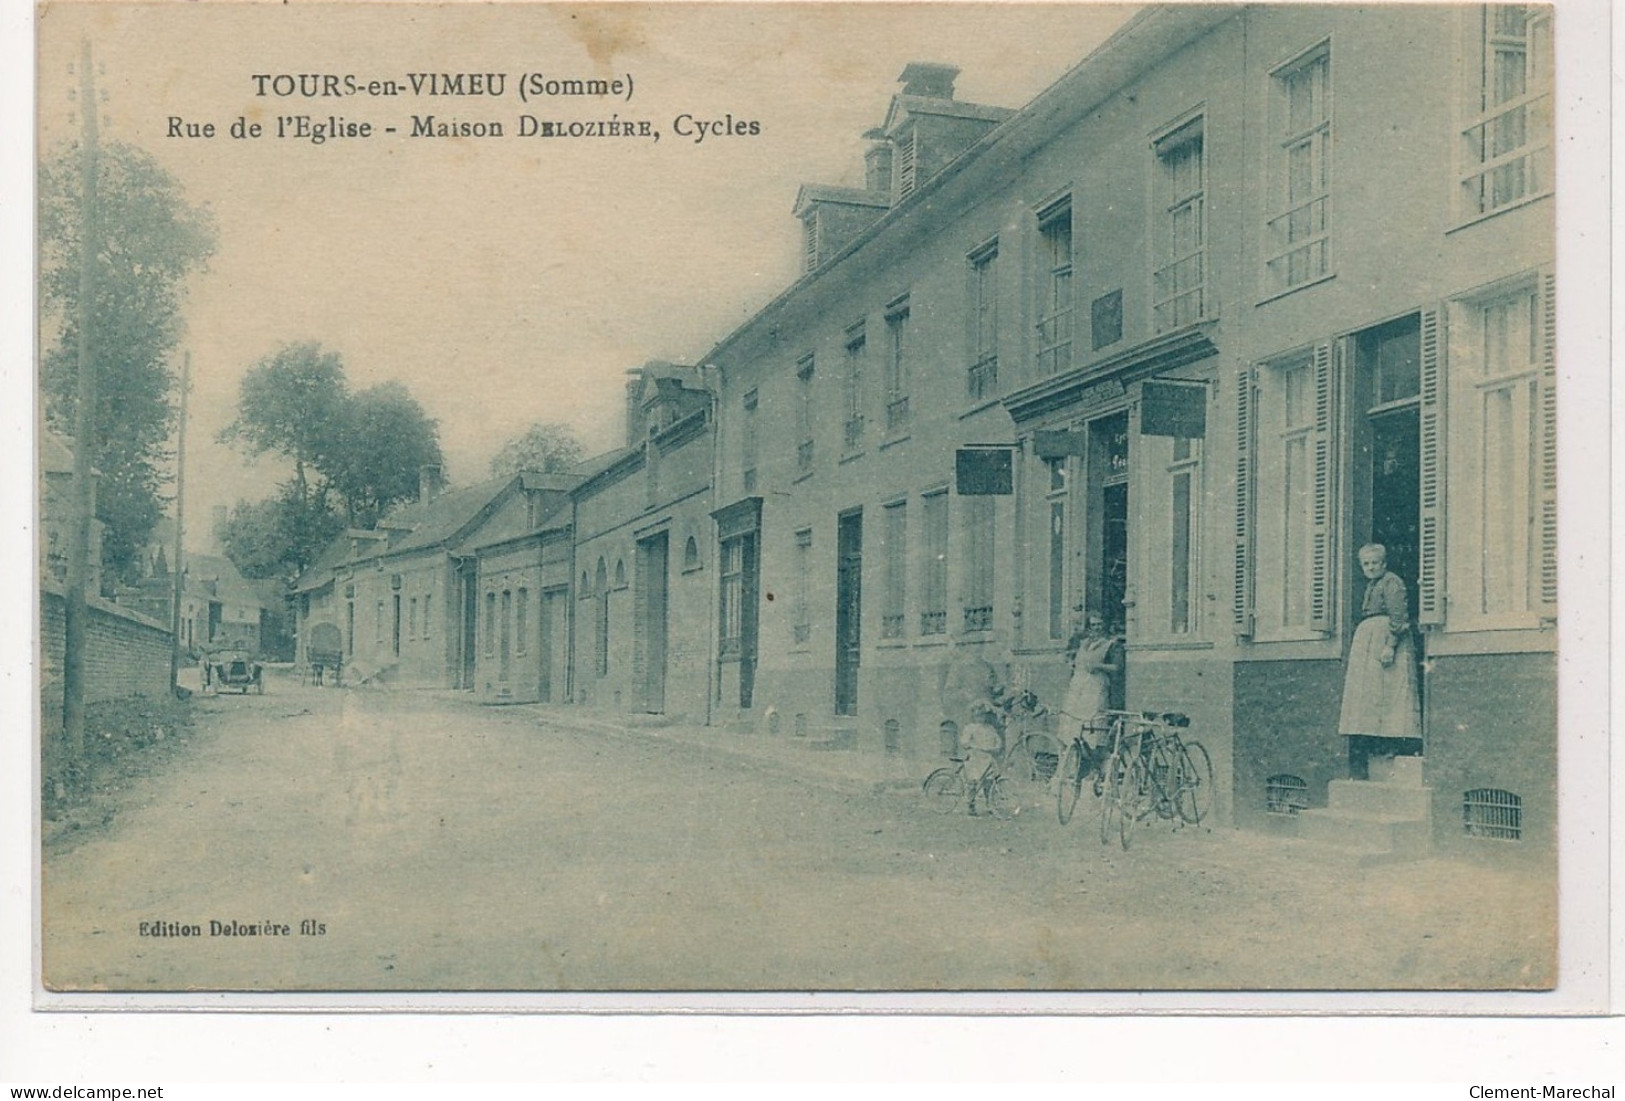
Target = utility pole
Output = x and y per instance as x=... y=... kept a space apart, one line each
x=180 y=527
x=84 y=444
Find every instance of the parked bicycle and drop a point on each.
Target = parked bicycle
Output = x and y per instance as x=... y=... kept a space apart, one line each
x=1151 y=768
x=1021 y=756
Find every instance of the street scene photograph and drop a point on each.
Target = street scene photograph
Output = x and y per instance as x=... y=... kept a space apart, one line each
x=688 y=500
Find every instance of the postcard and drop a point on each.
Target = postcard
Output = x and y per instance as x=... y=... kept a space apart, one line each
x=1025 y=508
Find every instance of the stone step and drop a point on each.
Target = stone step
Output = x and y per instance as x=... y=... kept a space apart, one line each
x=1399 y=800
x=1376 y=833
x=1396 y=770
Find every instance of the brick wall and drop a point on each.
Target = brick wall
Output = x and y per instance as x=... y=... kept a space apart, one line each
x=126 y=654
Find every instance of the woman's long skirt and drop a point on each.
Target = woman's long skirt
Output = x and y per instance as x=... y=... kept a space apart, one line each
x=1380 y=700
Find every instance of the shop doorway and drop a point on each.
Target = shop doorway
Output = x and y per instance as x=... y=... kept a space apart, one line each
x=652 y=619
x=1387 y=475
x=1106 y=569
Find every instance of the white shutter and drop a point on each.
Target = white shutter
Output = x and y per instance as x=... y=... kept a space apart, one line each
x=1323 y=565
x=1246 y=409
x=1430 y=550
x=1548 y=447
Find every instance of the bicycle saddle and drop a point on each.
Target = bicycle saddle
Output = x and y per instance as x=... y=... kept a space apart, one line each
x=1176 y=718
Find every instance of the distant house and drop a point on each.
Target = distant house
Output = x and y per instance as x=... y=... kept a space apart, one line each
x=643 y=528
x=56 y=513
x=219 y=607
x=402 y=599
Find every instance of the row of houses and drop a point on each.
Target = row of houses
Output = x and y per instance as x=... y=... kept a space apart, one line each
x=1247 y=288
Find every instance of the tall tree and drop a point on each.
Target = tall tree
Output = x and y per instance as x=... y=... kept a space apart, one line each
x=293 y=402
x=280 y=536
x=551 y=448
x=151 y=240
x=387 y=438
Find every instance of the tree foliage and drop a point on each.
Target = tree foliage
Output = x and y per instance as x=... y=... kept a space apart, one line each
x=354 y=455
x=387 y=438
x=550 y=448
x=281 y=536
x=150 y=240
x=293 y=402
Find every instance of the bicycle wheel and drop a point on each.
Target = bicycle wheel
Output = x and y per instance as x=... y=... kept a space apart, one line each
x=1069 y=784
x=1000 y=798
x=1136 y=791
x=1111 y=794
x=944 y=790
x=1035 y=759
x=1195 y=796
x=1162 y=774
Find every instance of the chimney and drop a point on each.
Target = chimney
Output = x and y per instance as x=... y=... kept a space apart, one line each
x=634 y=415
x=877 y=162
x=924 y=78
x=431 y=480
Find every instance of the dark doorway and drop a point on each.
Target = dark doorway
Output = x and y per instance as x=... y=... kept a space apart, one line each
x=471 y=603
x=750 y=589
x=1106 y=572
x=848 y=611
x=395 y=627
x=651 y=622
x=1387 y=473
x=551 y=622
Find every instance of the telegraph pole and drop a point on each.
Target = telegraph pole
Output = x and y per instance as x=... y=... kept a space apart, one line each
x=180 y=526
x=84 y=444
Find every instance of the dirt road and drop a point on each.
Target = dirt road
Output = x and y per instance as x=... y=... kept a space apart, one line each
x=411 y=841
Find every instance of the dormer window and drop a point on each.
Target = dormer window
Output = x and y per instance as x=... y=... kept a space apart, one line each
x=906 y=161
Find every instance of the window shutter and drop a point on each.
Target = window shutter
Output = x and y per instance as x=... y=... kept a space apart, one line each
x=1322 y=570
x=1548 y=447
x=1242 y=609
x=1430 y=588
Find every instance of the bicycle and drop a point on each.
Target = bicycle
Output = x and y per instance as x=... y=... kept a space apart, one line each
x=946 y=789
x=1030 y=757
x=1152 y=769
x=1078 y=762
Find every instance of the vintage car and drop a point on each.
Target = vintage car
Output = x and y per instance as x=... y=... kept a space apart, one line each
x=237 y=669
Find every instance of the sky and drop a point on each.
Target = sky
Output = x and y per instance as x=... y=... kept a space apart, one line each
x=513 y=280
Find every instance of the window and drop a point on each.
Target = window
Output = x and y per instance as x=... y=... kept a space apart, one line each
x=1055 y=294
x=1507 y=145
x=731 y=611
x=490 y=623
x=349 y=628
x=1501 y=457
x=428 y=599
x=1178 y=296
x=1285 y=477
x=897 y=365
x=507 y=632
x=1493 y=813
x=804 y=414
x=412 y=618
x=852 y=437
x=896 y=591
x=1057 y=538
x=1185 y=478
x=977 y=516
x=809 y=240
x=379 y=639
x=1299 y=240
x=521 y=617
x=982 y=380
x=907 y=162
x=801 y=629
x=748 y=442
x=691 y=554
x=934 y=583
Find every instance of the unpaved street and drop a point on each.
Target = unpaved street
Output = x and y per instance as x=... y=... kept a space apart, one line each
x=442 y=846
